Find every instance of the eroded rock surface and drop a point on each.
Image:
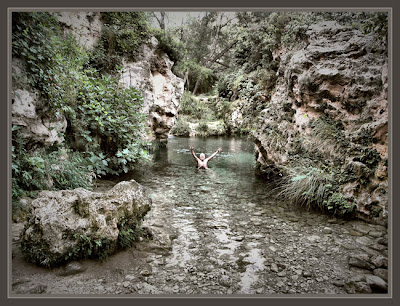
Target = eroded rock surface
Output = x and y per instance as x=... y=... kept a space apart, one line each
x=86 y=27
x=71 y=224
x=29 y=111
x=151 y=73
x=331 y=103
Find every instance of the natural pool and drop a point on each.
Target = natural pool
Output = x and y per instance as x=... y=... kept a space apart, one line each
x=224 y=231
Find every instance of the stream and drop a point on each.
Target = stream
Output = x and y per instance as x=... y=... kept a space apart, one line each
x=220 y=231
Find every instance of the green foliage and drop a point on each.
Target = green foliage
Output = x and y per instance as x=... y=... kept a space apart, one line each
x=51 y=60
x=314 y=187
x=306 y=186
x=196 y=73
x=46 y=169
x=105 y=121
x=181 y=127
x=174 y=48
x=129 y=233
x=89 y=247
x=123 y=33
x=369 y=157
x=202 y=128
x=108 y=124
x=195 y=107
x=338 y=205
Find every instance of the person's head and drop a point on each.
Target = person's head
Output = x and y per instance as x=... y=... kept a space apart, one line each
x=202 y=156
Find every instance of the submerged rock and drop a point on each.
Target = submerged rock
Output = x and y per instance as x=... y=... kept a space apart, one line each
x=72 y=268
x=71 y=224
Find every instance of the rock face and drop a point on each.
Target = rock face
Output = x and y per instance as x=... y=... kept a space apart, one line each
x=28 y=110
x=331 y=103
x=151 y=74
x=71 y=224
x=86 y=27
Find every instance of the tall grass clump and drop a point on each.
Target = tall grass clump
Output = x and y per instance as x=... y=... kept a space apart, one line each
x=306 y=186
x=314 y=188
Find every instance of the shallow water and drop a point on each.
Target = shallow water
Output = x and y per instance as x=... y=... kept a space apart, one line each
x=231 y=226
x=221 y=231
x=208 y=207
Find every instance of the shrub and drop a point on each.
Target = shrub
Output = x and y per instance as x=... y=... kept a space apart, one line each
x=181 y=128
x=170 y=45
x=306 y=186
x=122 y=34
x=202 y=128
x=105 y=121
x=203 y=76
x=338 y=205
x=46 y=169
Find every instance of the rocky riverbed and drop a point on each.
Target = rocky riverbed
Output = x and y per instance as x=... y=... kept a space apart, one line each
x=222 y=231
x=246 y=248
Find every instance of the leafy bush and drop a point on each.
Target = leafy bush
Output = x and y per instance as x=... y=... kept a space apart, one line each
x=170 y=45
x=338 y=205
x=204 y=77
x=202 y=128
x=46 y=169
x=123 y=33
x=105 y=122
x=109 y=120
x=181 y=128
x=195 y=107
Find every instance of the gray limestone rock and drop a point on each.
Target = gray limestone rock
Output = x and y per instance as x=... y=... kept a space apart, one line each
x=71 y=224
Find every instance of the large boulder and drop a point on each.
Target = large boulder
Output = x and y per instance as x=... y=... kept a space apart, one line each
x=72 y=224
x=152 y=74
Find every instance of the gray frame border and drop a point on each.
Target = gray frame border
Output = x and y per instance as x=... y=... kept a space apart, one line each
x=224 y=8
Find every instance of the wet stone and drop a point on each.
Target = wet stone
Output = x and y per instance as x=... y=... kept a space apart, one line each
x=380 y=261
x=145 y=273
x=72 y=268
x=376 y=283
x=378 y=247
x=314 y=238
x=130 y=277
x=327 y=230
x=365 y=241
x=375 y=234
x=274 y=268
x=382 y=273
x=338 y=283
x=355 y=233
x=357 y=287
x=361 y=261
x=39 y=289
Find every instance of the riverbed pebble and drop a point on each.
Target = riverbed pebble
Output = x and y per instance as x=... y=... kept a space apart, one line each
x=376 y=283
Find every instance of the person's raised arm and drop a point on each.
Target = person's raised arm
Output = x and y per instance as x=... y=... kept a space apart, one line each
x=194 y=155
x=212 y=156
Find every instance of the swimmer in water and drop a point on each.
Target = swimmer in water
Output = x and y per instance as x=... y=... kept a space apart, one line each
x=202 y=161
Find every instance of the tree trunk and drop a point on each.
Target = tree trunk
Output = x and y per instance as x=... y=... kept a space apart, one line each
x=186 y=79
x=161 y=20
x=196 y=86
